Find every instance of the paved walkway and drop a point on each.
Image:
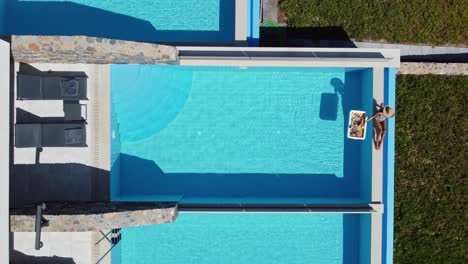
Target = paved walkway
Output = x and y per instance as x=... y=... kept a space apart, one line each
x=422 y=52
x=64 y=174
x=59 y=247
x=433 y=68
x=270 y=10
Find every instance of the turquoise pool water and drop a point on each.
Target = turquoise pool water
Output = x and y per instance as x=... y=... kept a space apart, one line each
x=231 y=135
x=182 y=21
x=249 y=238
x=162 y=14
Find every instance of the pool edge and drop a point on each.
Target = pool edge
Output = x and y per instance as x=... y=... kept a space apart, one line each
x=389 y=168
x=253 y=23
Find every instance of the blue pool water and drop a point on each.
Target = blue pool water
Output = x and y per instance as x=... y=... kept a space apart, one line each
x=185 y=21
x=249 y=238
x=233 y=135
x=161 y=14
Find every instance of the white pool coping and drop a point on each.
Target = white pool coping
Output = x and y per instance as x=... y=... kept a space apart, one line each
x=376 y=239
x=241 y=21
x=391 y=58
x=377 y=155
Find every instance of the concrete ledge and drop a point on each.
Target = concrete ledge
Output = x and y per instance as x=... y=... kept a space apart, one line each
x=284 y=57
x=82 y=217
x=241 y=20
x=82 y=49
x=377 y=155
x=376 y=238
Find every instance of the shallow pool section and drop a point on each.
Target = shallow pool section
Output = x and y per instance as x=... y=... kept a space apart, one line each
x=239 y=135
x=249 y=238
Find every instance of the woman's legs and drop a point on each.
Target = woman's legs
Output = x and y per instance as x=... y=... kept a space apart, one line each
x=379 y=135
x=382 y=129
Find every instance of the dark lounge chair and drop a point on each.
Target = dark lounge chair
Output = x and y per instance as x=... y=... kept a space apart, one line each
x=51 y=87
x=50 y=135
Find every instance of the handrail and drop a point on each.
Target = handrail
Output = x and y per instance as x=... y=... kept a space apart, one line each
x=40 y=222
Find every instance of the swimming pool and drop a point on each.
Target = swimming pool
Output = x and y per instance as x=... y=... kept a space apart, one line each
x=182 y=21
x=204 y=135
x=249 y=238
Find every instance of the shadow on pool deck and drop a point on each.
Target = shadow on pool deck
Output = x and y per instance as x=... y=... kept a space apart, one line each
x=68 y=18
x=19 y=257
x=32 y=183
x=324 y=37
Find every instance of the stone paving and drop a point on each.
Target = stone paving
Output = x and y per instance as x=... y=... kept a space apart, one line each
x=83 y=217
x=433 y=68
x=91 y=50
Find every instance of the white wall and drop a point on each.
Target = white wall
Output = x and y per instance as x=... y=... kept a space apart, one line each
x=4 y=149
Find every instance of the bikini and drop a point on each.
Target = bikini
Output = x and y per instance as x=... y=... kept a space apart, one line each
x=380 y=118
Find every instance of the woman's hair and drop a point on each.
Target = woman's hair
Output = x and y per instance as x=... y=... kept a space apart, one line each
x=388 y=111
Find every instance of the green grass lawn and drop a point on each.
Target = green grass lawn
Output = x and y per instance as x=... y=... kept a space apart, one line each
x=434 y=22
x=431 y=166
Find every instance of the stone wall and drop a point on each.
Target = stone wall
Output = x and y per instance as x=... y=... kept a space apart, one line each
x=82 y=49
x=83 y=217
x=420 y=68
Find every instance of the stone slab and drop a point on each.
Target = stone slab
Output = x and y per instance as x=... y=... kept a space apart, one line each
x=83 y=49
x=83 y=217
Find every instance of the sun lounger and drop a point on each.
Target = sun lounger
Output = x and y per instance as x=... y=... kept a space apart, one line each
x=50 y=135
x=50 y=87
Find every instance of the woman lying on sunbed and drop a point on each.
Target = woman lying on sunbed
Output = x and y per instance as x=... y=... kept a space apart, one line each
x=380 y=123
